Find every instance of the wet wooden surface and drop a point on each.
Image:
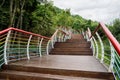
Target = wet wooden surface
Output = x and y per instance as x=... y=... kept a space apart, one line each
x=53 y=77
x=86 y=63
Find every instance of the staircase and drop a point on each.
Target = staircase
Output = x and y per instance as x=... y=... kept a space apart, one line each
x=77 y=45
x=70 y=60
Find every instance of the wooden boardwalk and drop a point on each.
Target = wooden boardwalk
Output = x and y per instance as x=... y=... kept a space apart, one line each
x=83 y=63
x=70 y=60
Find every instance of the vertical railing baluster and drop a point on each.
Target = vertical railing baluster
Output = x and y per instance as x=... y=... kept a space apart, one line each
x=102 y=47
x=38 y=43
x=47 y=49
x=28 y=44
x=112 y=58
x=52 y=42
x=66 y=37
x=69 y=33
x=40 y=47
x=55 y=38
x=62 y=38
x=5 y=47
x=83 y=33
x=93 y=46
x=96 y=47
x=87 y=37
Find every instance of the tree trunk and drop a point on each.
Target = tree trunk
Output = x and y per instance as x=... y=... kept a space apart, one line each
x=20 y=18
x=11 y=8
x=2 y=3
x=13 y=3
x=21 y=13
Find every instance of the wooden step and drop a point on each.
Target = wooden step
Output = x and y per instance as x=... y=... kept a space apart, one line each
x=77 y=36
x=71 y=49
x=29 y=73
x=76 y=40
x=70 y=45
x=85 y=53
x=61 y=65
x=19 y=75
x=75 y=66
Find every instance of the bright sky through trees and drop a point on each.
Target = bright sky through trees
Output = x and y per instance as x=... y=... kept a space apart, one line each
x=100 y=10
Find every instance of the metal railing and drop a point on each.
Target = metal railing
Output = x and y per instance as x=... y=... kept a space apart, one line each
x=106 y=51
x=16 y=44
x=59 y=36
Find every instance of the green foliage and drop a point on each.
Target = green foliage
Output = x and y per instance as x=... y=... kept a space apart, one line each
x=115 y=29
x=4 y=18
x=40 y=17
x=79 y=22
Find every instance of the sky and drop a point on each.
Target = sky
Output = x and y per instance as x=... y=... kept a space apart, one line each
x=97 y=10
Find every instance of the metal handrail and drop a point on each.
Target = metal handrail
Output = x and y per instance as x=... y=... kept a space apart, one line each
x=110 y=60
x=61 y=38
x=113 y=40
x=26 y=40
x=54 y=34
x=26 y=32
x=16 y=43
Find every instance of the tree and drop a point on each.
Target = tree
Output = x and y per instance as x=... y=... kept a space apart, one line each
x=39 y=16
x=43 y=19
x=115 y=29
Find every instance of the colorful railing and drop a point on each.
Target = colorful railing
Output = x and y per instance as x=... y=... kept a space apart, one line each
x=107 y=51
x=16 y=44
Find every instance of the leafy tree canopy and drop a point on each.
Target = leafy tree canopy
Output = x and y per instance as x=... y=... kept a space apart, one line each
x=39 y=16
